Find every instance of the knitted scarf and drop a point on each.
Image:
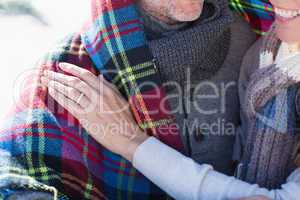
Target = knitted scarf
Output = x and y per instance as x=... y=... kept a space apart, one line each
x=201 y=48
x=272 y=114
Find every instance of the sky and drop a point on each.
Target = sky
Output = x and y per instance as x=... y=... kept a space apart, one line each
x=23 y=40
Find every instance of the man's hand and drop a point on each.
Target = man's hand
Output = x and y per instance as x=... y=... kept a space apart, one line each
x=98 y=106
x=255 y=198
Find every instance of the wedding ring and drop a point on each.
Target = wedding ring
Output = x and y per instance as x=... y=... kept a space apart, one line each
x=79 y=98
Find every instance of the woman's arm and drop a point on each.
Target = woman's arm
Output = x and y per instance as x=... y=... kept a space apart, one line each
x=178 y=175
x=183 y=178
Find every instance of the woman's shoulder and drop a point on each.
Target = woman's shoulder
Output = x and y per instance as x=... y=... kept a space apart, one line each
x=249 y=64
x=242 y=37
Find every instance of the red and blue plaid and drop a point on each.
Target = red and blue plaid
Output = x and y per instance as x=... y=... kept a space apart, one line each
x=44 y=148
x=48 y=144
x=259 y=13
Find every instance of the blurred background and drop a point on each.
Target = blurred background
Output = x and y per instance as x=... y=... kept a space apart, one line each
x=28 y=28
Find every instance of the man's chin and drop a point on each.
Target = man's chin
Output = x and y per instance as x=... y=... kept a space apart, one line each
x=187 y=17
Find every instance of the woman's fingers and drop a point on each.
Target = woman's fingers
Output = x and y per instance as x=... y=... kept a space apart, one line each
x=81 y=73
x=71 y=93
x=70 y=81
x=98 y=83
x=72 y=87
x=83 y=78
x=67 y=103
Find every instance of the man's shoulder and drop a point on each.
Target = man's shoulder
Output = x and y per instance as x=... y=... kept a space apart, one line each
x=252 y=58
x=242 y=31
x=241 y=39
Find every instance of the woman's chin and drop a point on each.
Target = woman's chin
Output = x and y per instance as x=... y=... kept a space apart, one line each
x=288 y=36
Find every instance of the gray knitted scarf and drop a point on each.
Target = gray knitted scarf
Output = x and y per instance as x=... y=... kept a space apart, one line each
x=271 y=107
x=201 y=46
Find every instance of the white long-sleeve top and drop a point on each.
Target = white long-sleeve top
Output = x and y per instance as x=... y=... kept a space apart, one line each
x=184 y=179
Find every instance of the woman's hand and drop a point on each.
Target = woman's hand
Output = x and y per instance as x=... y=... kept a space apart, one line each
x=98 y=106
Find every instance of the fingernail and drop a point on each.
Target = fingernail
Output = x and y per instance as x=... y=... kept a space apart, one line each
x=63 y=65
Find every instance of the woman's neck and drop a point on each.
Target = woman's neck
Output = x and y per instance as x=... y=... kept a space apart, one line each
x=294 y=48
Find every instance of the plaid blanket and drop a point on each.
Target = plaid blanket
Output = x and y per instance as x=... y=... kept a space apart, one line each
x=259 y=13
x=44 y=148
x=47 y=143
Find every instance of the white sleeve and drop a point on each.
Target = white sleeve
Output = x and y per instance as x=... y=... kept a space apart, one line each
x=184 y=179
x=290 y=190
x=174 y=173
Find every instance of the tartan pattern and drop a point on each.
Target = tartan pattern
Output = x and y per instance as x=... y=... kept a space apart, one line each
x=47 y=143
x=126 y=60
x=259 y=13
